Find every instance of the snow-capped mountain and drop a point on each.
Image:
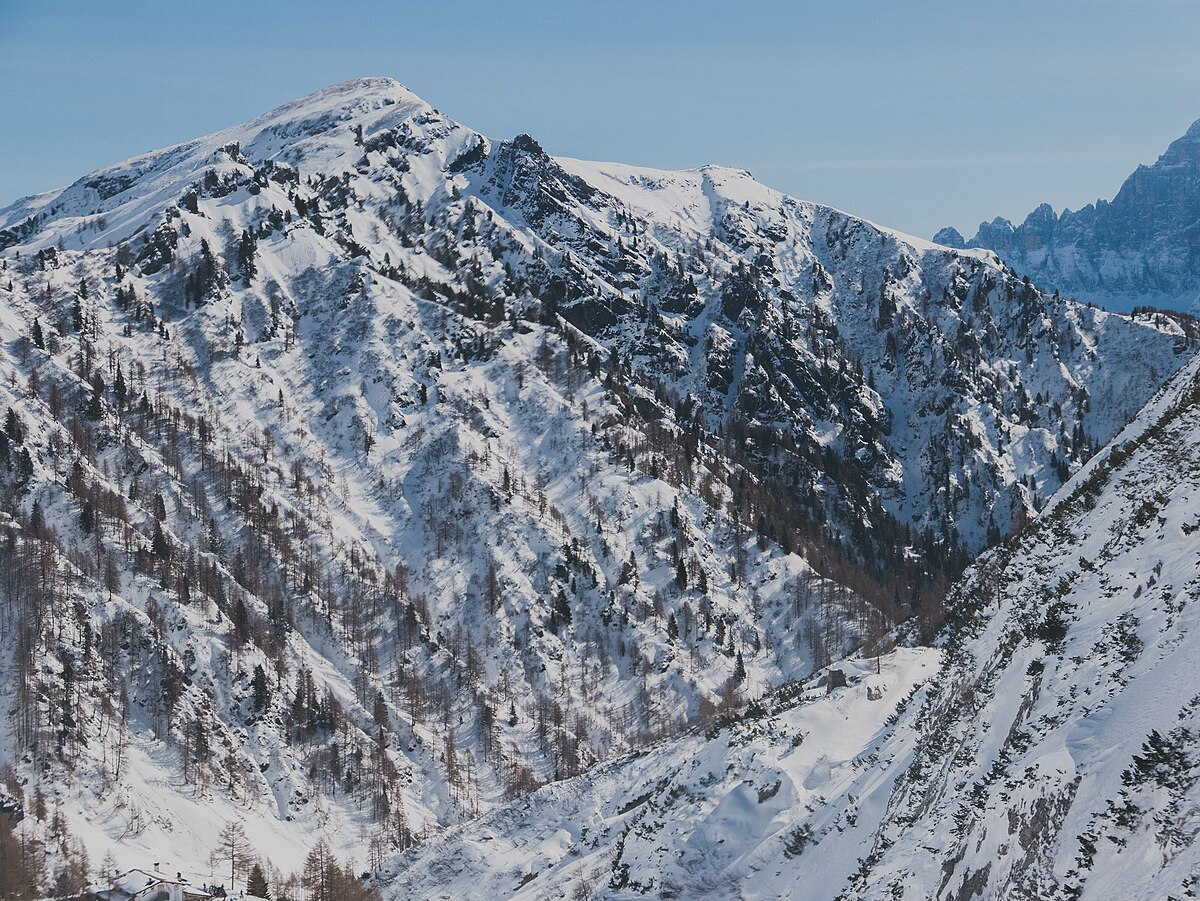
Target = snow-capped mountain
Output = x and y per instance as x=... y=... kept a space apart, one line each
x=339 y=557
x=363 y=473
x=1142 y=248
x=1047 y=749
x=949 y=391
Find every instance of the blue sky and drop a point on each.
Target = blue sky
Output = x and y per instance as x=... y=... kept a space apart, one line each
x=914 y=114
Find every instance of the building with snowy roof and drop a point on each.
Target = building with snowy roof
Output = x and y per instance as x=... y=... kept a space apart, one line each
x=147 y=885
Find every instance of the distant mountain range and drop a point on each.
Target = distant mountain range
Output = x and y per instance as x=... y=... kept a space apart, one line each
x=1142 y=248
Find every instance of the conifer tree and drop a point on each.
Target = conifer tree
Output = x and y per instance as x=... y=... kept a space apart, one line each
x=120 y=390
x=256 y=882
x=37 y=521
x=13 y=428
x=261 y=689
x=245 y=256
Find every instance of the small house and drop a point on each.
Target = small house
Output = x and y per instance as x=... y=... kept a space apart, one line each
x=147 y=885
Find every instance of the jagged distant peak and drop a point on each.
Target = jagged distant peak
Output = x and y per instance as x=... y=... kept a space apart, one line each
x=1134 y=250
x=950 y=237
x=1184 y=151
x=1192 y=135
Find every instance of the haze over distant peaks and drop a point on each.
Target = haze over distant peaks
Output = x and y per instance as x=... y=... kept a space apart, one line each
x=1141 y=248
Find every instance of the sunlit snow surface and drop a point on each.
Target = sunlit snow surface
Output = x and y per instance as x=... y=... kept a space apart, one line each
x=761 y=809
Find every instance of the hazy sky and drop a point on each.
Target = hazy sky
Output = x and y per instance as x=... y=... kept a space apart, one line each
x=914 y=114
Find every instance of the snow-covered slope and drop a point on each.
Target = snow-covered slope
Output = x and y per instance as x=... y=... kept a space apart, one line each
x=1052 y=754
x=364 y=473
x=1058 y=755
x=946 y=389
x=488 y=574
x=741 y=811
x=1140 y=248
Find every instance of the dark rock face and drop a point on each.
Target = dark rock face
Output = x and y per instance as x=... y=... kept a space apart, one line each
x=10 y=808
x=950 y=237
x=1140 y=248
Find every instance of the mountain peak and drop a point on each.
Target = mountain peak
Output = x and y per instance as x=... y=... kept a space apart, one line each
x=380 y=88
x=356 y=99
x=527 y=144
x=314 y=131
x=950 y=237
x=1184 y=151
x=1142 y=235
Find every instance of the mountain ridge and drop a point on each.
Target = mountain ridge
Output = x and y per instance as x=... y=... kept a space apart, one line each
x=1137 y=249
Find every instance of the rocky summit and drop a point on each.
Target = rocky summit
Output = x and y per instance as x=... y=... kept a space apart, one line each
x=1140 y=249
